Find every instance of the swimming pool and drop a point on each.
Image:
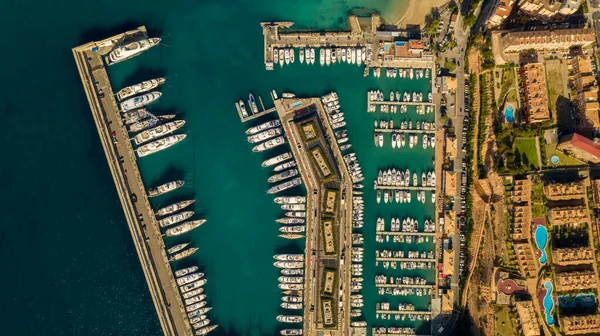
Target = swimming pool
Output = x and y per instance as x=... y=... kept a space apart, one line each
x=579 y=300
x=541 y=240
x=509 y=113
x=548 y=303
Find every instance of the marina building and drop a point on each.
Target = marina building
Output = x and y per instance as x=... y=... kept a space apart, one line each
x=534 y=92
x=573 y=256
x=545 y=40
x=567 y=281
x=548 y=9
x=564 y=191
x=580 y=324
x=580 y=147
x=528 y=318
x=500 y=13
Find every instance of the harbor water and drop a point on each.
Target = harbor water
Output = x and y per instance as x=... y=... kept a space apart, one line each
x=62 y=224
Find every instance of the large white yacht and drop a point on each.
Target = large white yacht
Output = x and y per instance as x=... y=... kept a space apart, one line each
x=144 y=86
x=160 y=144
x=158 y=131
x=129 y=50
x=140 y=101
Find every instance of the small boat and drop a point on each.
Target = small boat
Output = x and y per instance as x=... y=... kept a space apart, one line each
x=292 y=55
x=184 y=228
x=185 y=271
x=344 y=147
x=165 y=188
x=275 y=56
x=322 y=56
x=301 y=56
x=159 y=145
x=281 y=58
x=129 y=50
x=142 y=87
x=174 y=207
x=177 y=248
x=252 y=102
x=287 y=56
x=312 y=55
x=243 y=108
x=139 y=101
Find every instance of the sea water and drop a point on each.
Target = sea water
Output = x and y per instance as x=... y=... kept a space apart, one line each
x=70 y=266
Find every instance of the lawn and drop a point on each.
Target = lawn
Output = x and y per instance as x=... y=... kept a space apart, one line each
x=563 y=159
x=508 y=83
x=537 y=192
x=526 y=146
x=555 y=85
x=504 y=324
x=538 y=211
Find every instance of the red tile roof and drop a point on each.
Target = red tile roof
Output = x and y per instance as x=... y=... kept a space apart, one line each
x=585 y=144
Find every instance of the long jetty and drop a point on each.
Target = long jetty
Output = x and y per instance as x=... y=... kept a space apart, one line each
x=121 y=159
x=404 y=188
x=403 y=286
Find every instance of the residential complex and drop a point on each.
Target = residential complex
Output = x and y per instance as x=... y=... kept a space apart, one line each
x=547 y=9
x=580 y=147
x=533 y=91
x=527 y=316
x=564 y=191
x=574 y=280
x=500 y=13
x=545 y=39
x=583 y=81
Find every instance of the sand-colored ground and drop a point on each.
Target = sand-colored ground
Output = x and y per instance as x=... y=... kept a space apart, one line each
x=417 y=10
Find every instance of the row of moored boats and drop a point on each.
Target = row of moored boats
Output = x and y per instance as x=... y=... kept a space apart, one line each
x=326 y=56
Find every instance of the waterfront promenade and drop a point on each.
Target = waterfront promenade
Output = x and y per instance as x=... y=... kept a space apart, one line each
x=121 y=159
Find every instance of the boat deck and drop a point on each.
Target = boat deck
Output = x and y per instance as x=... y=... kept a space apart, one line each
x=121 y=159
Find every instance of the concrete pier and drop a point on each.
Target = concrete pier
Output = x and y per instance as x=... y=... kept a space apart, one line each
x=402 y=312
x=121 y=159
x=252 y=116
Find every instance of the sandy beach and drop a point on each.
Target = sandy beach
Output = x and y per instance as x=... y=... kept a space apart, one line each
x=416 y=11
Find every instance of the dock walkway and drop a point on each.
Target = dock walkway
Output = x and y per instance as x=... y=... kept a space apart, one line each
x=121 y=159
x=404 y=188
x=403 y=286
x=404 y=259
x=392 y=233
x=406 y=131
x=402 y=312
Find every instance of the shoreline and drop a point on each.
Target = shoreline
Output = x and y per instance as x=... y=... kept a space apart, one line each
x=415 y=15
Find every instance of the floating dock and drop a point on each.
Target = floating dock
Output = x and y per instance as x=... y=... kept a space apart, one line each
x=121 y=159
x=404 y=188
x=392 y=233
x=406 y=131
x=403 y=312
x=404 y=259
x=404 y=286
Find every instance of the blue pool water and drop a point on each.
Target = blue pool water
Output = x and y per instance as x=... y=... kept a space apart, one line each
x=580 y=300
x=541 y=239
x=548 y=302
x=554 y=159
x=509 y=113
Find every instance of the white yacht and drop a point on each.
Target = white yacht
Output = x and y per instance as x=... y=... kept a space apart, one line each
x=129 y=50
x=287 y=56
x=160 y=144
x=322 y=56
x=312 y=55
x=301 y=56
x=264 y=135
x=281 y=57
x=277 y=159
x=327 y=56
x=170 y=209
x=165 y=188
x=158 y=131
x=269 y=144
x=289 y=319
x=292 y=55
x=176 y=218
x=290 y=199
x=183 y=228
x=139 y=88
x=139 y=101
x=262 y=127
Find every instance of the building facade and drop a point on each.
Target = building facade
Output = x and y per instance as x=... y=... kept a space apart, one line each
x=546 y=40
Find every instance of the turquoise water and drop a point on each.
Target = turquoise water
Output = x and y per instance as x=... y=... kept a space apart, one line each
x=541 y=240
x=70 y=266
x=509 y=113
x=548 y=303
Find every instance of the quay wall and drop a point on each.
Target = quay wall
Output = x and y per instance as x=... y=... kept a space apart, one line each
x=139 y=215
